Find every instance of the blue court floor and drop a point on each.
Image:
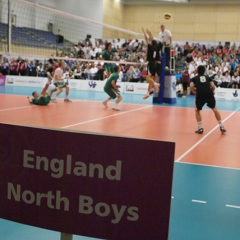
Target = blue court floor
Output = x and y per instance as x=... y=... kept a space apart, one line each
x=205 y=200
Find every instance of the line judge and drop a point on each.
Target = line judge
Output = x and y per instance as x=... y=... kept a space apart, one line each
x=165 y=36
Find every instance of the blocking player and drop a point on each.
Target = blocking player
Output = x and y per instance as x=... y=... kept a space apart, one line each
x=108 y=56
x=112 y=89
x=43 y=98
x=203 y=88
x=154 y=64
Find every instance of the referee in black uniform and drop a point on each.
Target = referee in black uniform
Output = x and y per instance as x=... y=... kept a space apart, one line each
x=203 y=88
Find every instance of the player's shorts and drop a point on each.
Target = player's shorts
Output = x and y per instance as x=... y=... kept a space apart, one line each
x=154 y=68
x=205 y=99
x=59 y=84
x=112 y=93
x=43 y=101
x=185 y=86
x=109 y=67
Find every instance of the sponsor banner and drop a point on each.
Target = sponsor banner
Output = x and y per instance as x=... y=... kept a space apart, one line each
x=24 y=81
x=135 y=88
x=227 y=94
x=169 y=95
x=75 y=84
x=2 y=80
x=110 y=188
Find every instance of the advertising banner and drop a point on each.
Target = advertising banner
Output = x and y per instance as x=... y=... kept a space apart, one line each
x=2 y=80
x=93 y=185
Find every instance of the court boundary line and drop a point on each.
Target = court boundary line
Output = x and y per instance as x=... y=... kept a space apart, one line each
x=102 y=118
x=31 y=106
x=151 y=104
x=204 y=137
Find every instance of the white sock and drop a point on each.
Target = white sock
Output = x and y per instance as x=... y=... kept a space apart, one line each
x=115 y=104
x=199 y=125
x=220 y=123
x=66 y=97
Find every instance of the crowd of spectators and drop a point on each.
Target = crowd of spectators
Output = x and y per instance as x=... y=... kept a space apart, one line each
x=221 y=63
x=83 y=61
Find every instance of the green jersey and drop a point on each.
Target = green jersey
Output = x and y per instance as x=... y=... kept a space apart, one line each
x=42 y=101
x=108 y=88
x=108 y=84
x=108 y=56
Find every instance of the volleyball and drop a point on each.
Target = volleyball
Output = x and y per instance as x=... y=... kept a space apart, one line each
x=167 y=16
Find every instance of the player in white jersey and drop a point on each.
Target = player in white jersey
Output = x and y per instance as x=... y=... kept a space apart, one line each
x=59 y=83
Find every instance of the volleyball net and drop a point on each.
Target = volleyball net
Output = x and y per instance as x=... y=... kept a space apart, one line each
x=29 y=28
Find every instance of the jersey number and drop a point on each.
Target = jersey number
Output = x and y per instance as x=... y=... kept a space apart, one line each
x=154 y=54
x=203 y=79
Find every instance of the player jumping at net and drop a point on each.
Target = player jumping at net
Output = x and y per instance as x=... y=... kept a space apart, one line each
x=59 y=83
x=43 y=98
x=108 y=56
x=203 y=88
x=154 y=64
x=112 y=89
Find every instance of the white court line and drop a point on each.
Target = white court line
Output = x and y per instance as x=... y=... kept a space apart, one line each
x=98 y=119
x=232 y=206
x=16 y=108
x=199 y=201
x=203 y=138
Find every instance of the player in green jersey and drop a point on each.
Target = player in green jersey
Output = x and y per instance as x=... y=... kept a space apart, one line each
x=108 y=56
x=43 y=98
x=112 y=89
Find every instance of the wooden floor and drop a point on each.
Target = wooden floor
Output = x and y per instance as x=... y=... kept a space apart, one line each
x=135 y=120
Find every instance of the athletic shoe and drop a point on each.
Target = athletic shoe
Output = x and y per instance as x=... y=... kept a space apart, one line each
x=222 y=129
x=66 y=100
x=54 y=100
x=105 y=104
x=146 y=96
x=157 y=88
x=116 y=108
x=199 y=131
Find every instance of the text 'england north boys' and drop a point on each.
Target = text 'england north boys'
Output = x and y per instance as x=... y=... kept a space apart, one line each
x=55 y=200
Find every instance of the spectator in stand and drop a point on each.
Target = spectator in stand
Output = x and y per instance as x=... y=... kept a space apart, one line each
x=189 y=58
x=185 y=81
x=235 y=80
x=69 y=74
x=93 y=72
x=78 y=73
x=40 y=70
x=5 y=67
x=129 y=74
x=233 y=65
x=88 y=54
x=100 y=73
x=218 y=79
x=143 y=75
x=14 y=67
x=226 y=80
x=220 y=45
x=186 y=49
x=136 y=75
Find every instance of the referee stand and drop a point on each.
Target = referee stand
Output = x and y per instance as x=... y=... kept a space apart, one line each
x=167 y=93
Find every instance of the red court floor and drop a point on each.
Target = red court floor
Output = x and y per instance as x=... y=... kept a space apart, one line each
x=141 y=121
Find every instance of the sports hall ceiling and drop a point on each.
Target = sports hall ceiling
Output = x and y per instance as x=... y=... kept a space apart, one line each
x=180 y=1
